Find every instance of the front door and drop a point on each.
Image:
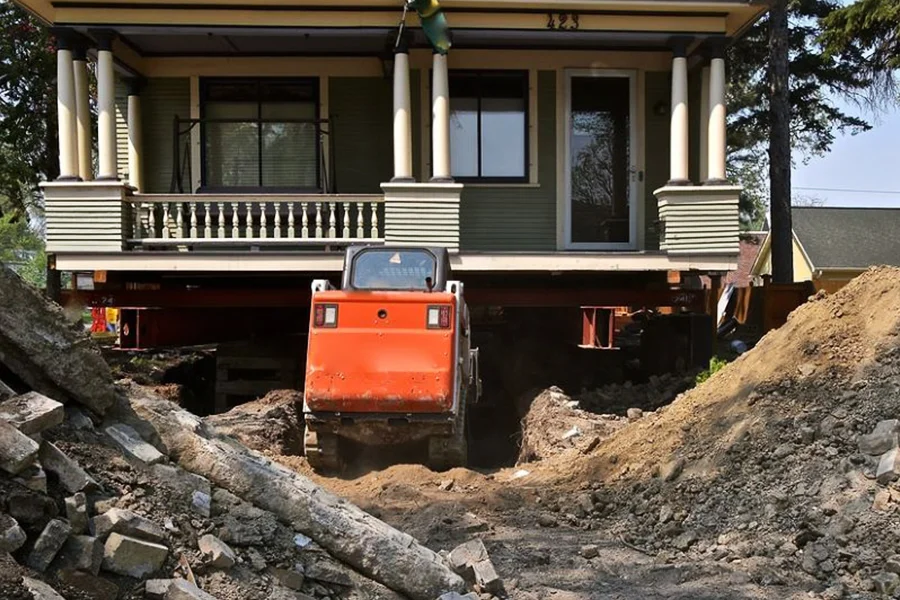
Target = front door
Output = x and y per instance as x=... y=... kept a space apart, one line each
x=600 y=147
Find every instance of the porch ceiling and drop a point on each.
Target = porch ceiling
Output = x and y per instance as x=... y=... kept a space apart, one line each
x=223 y=41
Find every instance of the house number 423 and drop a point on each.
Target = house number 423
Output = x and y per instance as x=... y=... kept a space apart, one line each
x=565 y=21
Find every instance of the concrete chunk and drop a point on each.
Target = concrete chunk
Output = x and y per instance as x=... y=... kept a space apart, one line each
x=486 y=576
x=131 y=443
x=129 y=556
x=90 y=586
x=17 y=450
x=463 y=557
x=882 y=439
x=185 y=590
x=72 y=477
x=155 y=589
x=76 y=512
x=40 y=590
x=888 y=467
x=220 y=555
x=12 y=536
x=34 y=478
x=33 y=509
x=32 y=413
x=48 y=544
x=120 y=520
x=81 y=553
x=458 y=596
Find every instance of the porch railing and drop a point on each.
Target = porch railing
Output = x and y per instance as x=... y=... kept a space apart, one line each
x=280 y=219
x=317 y=131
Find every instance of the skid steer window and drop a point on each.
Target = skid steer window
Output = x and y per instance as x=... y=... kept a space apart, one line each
x=379 y=269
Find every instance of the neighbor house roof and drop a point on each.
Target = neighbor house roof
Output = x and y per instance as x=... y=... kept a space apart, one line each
x=750 y=245
x=848 y=238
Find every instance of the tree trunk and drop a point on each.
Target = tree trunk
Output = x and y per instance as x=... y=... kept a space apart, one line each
x=351 y=535
x=780 y=144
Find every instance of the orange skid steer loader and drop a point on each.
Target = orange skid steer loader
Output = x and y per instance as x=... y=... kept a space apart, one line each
x=390 y=358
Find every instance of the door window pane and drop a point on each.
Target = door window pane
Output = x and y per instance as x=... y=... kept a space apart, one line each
x=232 y=148
x=600 y=160
x=289 y=149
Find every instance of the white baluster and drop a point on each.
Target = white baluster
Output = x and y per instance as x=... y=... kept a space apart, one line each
x=304 y=221
x=179 y=220
x=346 y=229
x=165 y=220
x=318 y=219
x=235 y=222
x=221 y=207
x=374 y=206
x=291 y=232
x=263 y=224
x=248 y=223
x=193 y=220
x=332 y=221
x=151 y=220
x=277 y=220
x=207 y=221
x=136 y=220
x=360 y=220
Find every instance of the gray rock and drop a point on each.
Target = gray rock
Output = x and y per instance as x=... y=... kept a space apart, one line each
x=131 y=443
x=634 y=414
x=185 y=590
x=289 y=578
x=486 y=576
x=672 y=469
x=12 y=536
x=220 y=555
x=125 y=522
x=257 y=562
x=32 y=413
x=155 y=589
x=76 y=512
x=40 y=590
x=547 y=520
x=784 y=450
x=326 y=572
x=130 y=556
x=886 y=583
x=685 y=540
x=48 y=544
x=72 y=477
x=201 y=503
x=463 y=557
x=34 y=478
x=81 y=553
x=590 y=551
x=888 y=467
x=585 y=503
x=17 y=450
x=78 y=420
x=835 y=592
x=665 y=514
x=90 y=586
x=882 y=439
x=892 y=564
x=807 y=435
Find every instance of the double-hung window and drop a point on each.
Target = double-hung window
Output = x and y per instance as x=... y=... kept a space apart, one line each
x=489 y=126
x=260 y=134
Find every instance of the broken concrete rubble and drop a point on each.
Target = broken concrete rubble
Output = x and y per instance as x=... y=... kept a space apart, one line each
x=34 y=478
x=888 y=467
x=32 y=413
x=17 y=450
x=76 y=512
x=155 y=589
x=185 y=590
x=131 y=443
x=882 y=439
x=130 y=556
x=219 y=554
x=72 y=477
x=81 y=553
x=91 y=586
x=48 y=544
x=40 y=590
x=125 y=522
x=12 y=536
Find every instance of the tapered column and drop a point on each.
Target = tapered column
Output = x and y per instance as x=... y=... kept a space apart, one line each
x=106 y=109
x=402 y=116
x=704 y=123
x=678 y=140
x=717 y=116
x=134 y=136
x=440 y=120
x=83 y=114
x=66 y=107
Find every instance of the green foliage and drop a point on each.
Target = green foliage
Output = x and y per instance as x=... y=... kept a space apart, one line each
x=28 y=147
x=22 y=249
x=716 y=364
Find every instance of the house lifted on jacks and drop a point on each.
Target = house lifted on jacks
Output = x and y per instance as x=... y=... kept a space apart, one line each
x=567 y=153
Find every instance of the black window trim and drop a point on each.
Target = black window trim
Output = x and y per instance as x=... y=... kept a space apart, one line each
x=525 y=75
x=205 y=83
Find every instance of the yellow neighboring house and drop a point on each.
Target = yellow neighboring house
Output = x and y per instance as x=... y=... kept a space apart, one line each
x=834 y=245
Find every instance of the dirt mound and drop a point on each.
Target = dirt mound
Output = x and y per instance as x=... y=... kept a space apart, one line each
x=273 y=423
x=762 y=464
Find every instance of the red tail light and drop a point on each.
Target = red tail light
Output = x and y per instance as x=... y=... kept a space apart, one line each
x=438 y=317
x=325 y=315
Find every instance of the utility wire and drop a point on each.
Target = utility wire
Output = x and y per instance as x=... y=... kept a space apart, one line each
x=848 y=191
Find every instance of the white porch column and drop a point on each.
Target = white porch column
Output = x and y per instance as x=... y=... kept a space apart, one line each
x=440 y=120
x=66 y=108
x=106 y=109
x=678 y=150
x=704 y=122
x=134 y=136
x=402 y=115
x=717 y=114
x=83 y=114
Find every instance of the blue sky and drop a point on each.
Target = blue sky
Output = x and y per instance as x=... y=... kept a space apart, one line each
x=867 y=161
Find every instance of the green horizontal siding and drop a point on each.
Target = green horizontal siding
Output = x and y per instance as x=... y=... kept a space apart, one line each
x=161 y=100
x=361 y=109
x=518 y=218
x=656 y=156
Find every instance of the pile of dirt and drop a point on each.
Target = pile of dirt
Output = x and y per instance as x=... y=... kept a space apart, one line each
x=776 y=462
x=272 y=424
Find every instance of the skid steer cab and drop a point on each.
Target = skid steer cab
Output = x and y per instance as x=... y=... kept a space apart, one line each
x=390 y=359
